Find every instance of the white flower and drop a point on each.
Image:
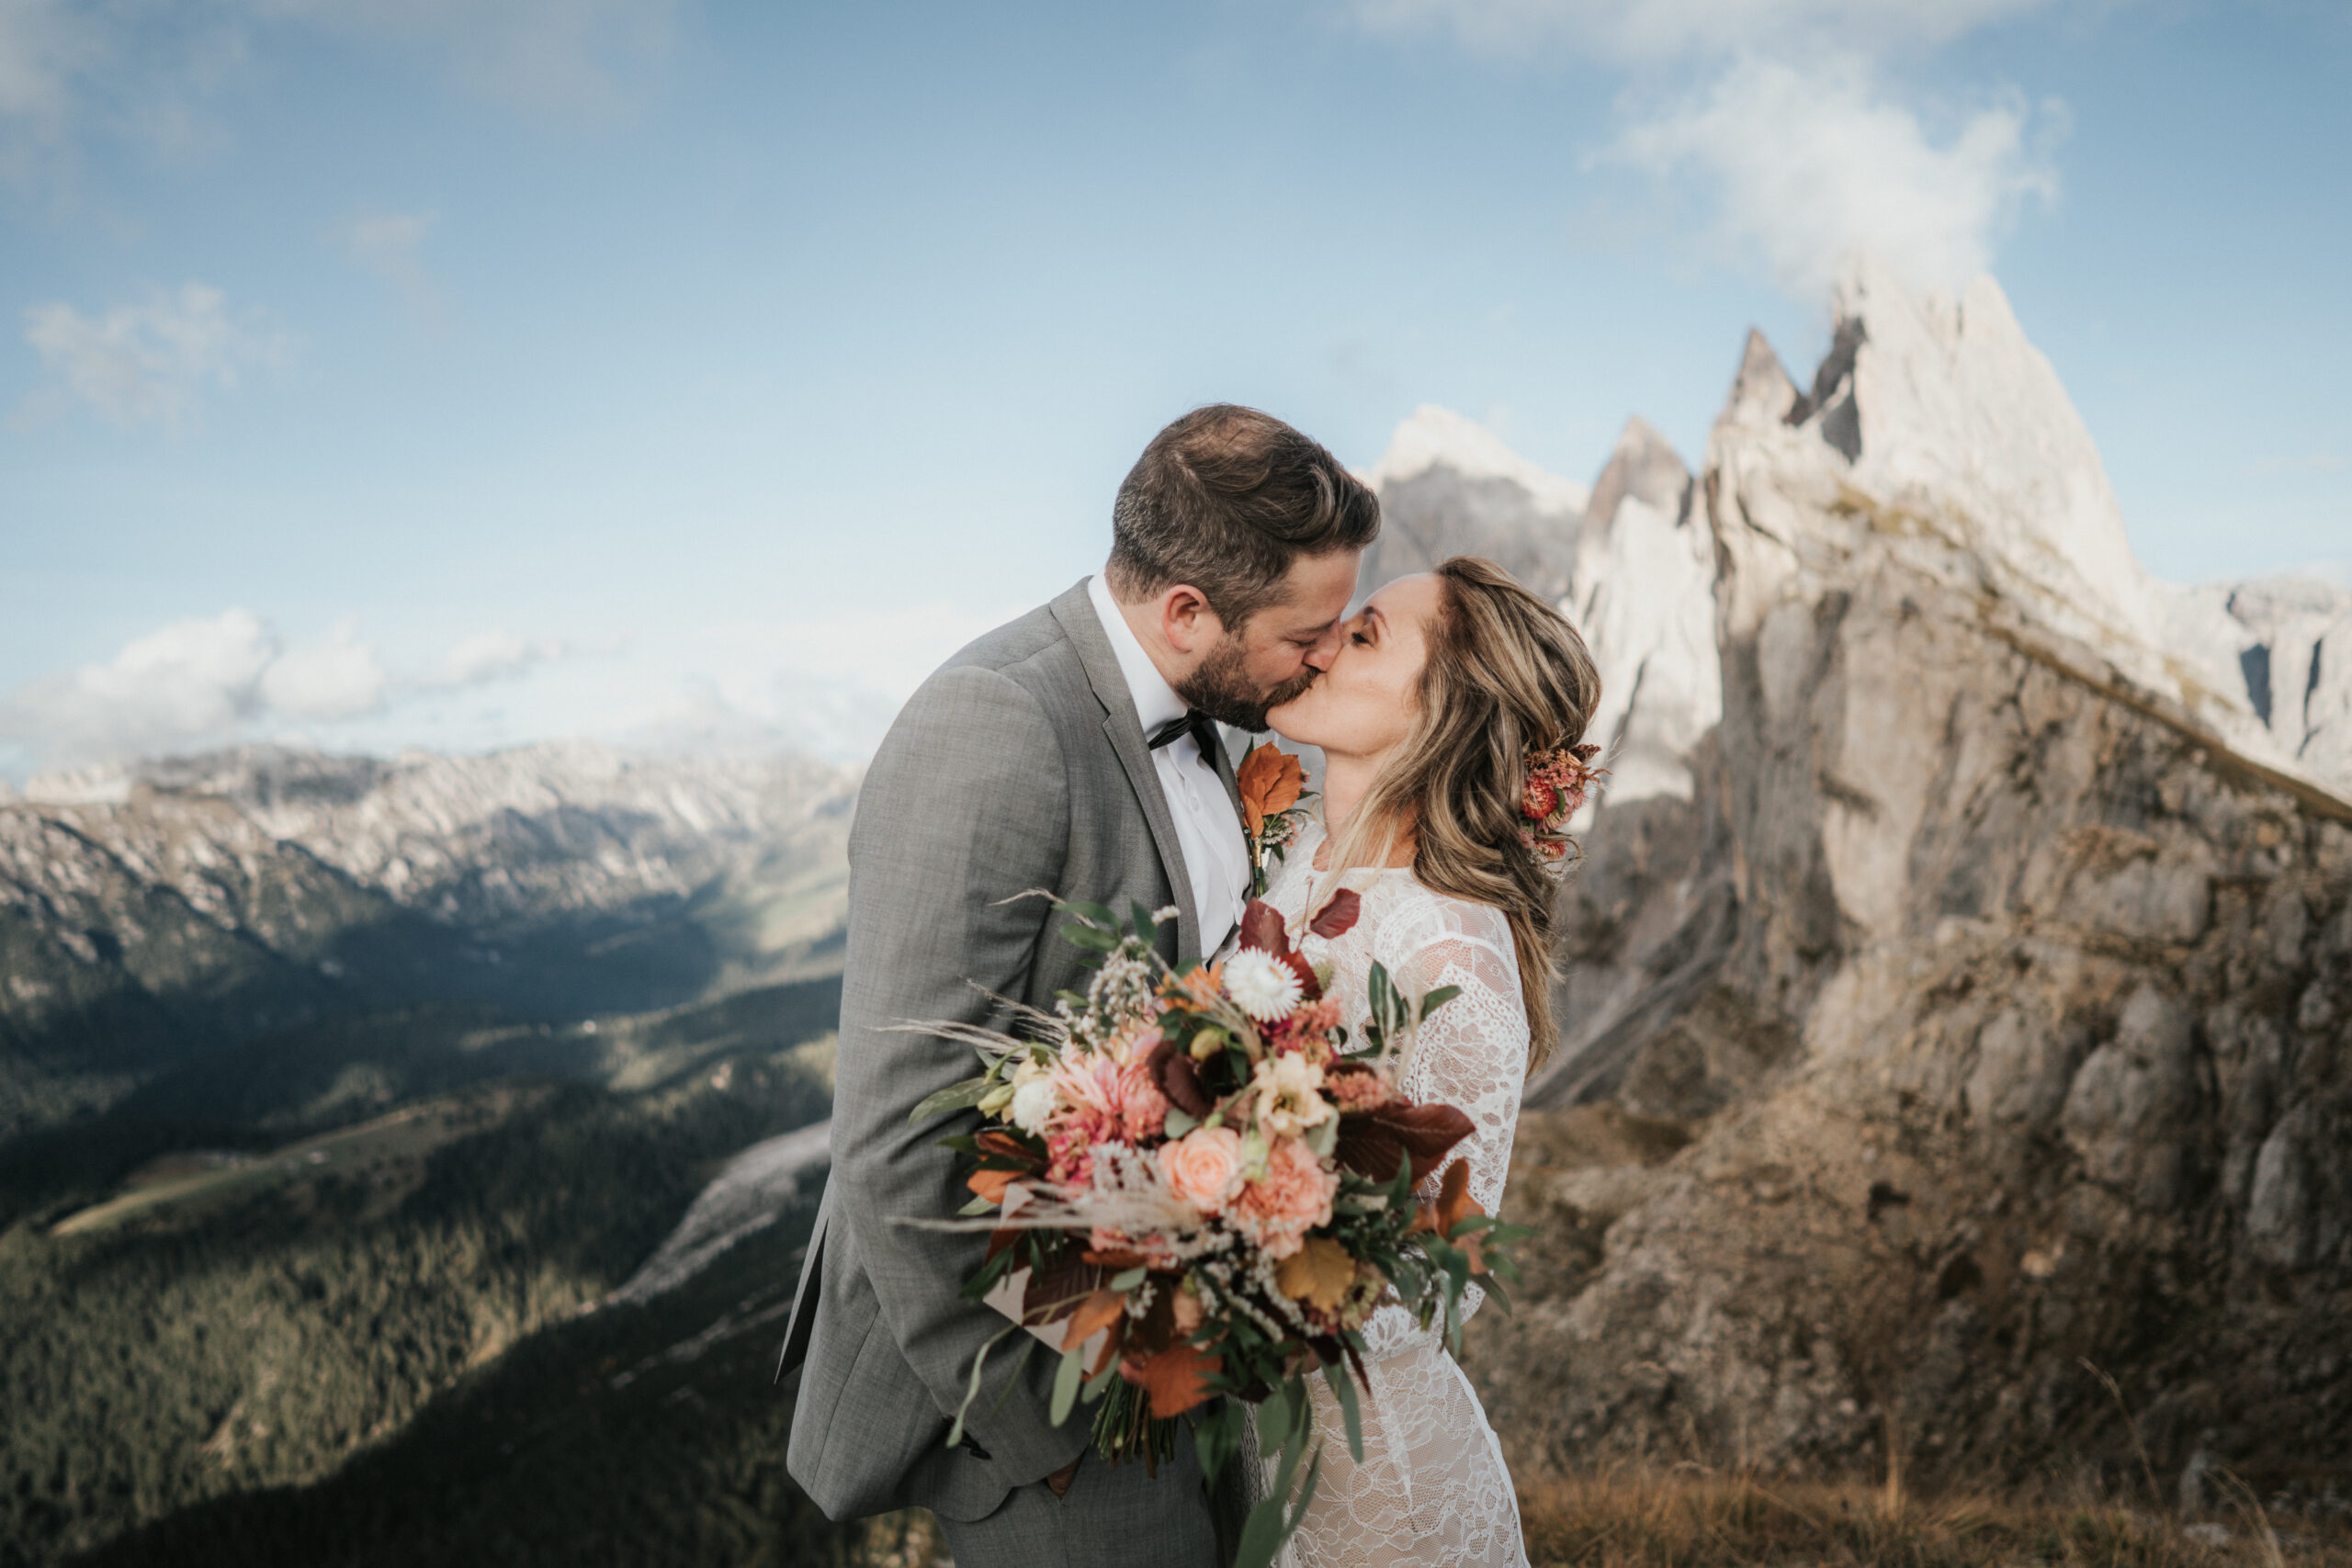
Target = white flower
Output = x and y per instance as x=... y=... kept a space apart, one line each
x=1290 y=1095
x=1261 y=986
x=1031 y=1106
x=1033 y=1096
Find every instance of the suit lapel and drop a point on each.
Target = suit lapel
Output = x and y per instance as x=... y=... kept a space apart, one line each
x=1075 y=611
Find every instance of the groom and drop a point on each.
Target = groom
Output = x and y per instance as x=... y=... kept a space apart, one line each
x=1073 y=749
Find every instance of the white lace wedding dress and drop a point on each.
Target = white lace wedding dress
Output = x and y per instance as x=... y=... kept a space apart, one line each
x=1433 y=1486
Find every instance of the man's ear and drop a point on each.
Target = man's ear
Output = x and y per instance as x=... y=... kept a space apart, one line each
x=1186 y=620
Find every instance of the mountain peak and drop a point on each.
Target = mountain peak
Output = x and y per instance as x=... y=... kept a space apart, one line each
x=1432 y=436
x=1761 y=393
x=1643 y=465
x=1449 y=486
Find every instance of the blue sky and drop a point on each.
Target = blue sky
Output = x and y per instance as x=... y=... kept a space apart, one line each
x=444 y=373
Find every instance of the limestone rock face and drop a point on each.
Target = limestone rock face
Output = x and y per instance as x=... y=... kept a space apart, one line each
x=1996 y=964
x=2296 y=661
x=1645 y=600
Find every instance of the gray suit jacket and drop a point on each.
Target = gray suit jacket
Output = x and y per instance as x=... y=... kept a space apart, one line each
x=1019 y=764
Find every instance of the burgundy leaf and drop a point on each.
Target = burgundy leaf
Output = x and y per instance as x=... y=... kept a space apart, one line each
x=1310 y=988
x=1178 y=1078
x=1340 y=915
x=1373 y=1143
x=1262 y=928
x=1056 y=1289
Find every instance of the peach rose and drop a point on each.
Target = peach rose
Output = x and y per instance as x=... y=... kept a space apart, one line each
x=1202 y=1167
x=1292 y=1198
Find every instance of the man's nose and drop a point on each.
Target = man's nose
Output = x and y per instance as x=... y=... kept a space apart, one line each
x=1319 y=657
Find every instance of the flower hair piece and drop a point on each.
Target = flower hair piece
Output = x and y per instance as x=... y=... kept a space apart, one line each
x=1557 y=784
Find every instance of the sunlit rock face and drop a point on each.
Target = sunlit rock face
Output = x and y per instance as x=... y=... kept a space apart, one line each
x=1987 y=987
x=1644 y=598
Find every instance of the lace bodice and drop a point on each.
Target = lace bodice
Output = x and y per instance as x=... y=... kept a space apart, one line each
x=1433 y=1486
x=1471 y=1054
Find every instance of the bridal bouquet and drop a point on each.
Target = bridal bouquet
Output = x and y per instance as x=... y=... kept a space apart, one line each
x=1196 y=1184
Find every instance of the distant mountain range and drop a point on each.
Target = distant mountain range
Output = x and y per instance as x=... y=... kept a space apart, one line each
x=153 y=912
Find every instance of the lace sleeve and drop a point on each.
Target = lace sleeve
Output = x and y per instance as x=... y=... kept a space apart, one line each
x=1471 y=1054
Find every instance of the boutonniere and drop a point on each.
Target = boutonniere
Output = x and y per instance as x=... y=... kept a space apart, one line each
x=1274 y=807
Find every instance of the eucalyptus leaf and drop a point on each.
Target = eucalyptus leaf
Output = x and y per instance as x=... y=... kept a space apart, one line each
x=972 y=1389
x=955 y=1097
x=1344 y=1389
x=1127 y=1280
x=1274 y=1417
x=1089 y=937
x=1067 y=1377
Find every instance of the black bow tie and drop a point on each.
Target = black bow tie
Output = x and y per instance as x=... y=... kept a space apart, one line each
x=1194 y=723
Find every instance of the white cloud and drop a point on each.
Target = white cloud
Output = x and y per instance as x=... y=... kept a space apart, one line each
x=205 y=681
x=491 y=656
x=186 y=683
x=826 y=687
x=391 y=246
x=1634 y=32
x=1806 y=167
x=1781 y=114
x=337 y=678
x=148 y=361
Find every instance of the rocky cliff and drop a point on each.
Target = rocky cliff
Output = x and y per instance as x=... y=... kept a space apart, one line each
x=1970 y=1017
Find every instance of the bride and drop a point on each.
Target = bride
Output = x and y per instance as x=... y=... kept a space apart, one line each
x=1446 y=686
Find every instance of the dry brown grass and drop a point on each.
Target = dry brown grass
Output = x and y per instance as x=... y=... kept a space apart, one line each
x=1720 y=1521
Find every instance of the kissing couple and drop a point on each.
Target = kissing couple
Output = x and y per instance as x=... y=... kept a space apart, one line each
x=1077 y=750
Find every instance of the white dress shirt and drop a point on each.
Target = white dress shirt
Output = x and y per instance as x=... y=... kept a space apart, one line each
x=1208 y=832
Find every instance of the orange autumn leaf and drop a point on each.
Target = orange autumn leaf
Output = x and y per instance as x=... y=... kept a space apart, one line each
x=1113 y=1342
x=1097 y=1312
x=1318 y=1273
x=1203 y=985
x=1271 y=780
x=1115 y=1259
x=990 y=1184
x=1004 y=1146
x=1175 y=1379
x=1454 y=1205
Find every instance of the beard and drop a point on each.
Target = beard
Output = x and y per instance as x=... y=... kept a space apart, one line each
x=1222 y=689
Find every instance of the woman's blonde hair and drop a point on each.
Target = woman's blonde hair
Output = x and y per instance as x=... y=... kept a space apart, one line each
x=1507 y=676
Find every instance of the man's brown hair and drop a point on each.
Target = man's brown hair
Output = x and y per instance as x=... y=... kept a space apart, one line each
x=1224 y=499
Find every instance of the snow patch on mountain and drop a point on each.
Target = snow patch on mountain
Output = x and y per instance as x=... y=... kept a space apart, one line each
x=1449 y=486
x=1434 y=437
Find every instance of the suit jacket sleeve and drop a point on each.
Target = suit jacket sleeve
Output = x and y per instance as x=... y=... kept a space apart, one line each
x=966 y=807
